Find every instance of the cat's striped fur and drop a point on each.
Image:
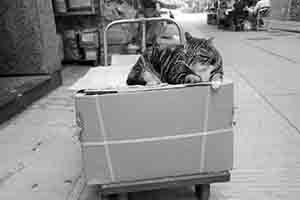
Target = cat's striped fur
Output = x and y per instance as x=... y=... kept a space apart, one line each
x=162 y=65
x=173 y=65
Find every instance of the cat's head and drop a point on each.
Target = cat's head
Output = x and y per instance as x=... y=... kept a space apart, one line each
x=199 y=49
x=142 y=73
x=200 y=55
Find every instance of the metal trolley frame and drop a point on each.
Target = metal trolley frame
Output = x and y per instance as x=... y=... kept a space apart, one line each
x=201 y=182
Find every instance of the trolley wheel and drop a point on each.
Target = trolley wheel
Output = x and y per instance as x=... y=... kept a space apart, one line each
x=95 y=63
x=121 y=196
x=202 y=191
x=104 y=197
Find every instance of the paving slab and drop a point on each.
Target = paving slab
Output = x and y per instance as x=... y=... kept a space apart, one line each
x=289 y=45
x=39 y=149
x=289 y=107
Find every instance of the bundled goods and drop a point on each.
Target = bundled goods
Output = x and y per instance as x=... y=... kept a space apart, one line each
x=60 y=47
x=60 y=6
x=89 y=38
x=90 y=54
x=80 y=5
x=71 y=49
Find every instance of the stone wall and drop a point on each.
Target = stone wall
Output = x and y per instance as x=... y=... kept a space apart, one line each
x=29 y=44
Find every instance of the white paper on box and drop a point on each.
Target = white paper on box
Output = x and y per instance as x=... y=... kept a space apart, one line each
x=107 y=77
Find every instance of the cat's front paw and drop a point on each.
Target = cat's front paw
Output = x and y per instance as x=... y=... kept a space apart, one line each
x=191 y=78
x=216 y=84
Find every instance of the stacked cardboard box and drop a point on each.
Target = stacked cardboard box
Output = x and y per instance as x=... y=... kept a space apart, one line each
x=60 y=6
x=64 y=6
x=80 y=5
x=89 y=42
x=71 y=47
x=81 y=45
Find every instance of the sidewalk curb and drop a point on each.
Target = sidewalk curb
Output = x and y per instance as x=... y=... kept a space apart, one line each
x=286 y=30
x=288 y=26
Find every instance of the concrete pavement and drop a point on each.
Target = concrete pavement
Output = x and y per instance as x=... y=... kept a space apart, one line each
x=40 y=154
x=39 y=150
x=264 y=67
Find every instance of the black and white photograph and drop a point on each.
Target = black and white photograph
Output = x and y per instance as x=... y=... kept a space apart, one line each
x=149 y=99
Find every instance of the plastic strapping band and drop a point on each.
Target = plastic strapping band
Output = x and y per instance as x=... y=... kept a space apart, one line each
x=101 y=124
x=204 y=138
x=155 y=139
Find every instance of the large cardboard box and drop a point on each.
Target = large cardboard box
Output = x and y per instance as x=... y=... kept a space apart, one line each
x=148 y=133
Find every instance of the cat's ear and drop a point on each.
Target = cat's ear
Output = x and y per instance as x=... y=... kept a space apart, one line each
x=155 y=45
x=188 y=36
x=154 y=42
x=147 y=55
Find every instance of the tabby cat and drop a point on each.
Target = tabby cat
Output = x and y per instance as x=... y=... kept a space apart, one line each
x=162 y=65
x=198 y=60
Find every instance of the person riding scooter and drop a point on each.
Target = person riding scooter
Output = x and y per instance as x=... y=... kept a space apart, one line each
x=262 y=8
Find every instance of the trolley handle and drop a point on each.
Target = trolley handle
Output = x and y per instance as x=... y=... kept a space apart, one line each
x=139 y=20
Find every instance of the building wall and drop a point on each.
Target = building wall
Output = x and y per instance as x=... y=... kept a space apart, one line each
x=29 y=44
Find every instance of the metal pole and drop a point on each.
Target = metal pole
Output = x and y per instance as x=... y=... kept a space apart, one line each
x=143 y=36
x=288 y=15
x=140 y=20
